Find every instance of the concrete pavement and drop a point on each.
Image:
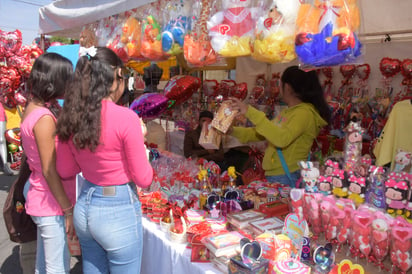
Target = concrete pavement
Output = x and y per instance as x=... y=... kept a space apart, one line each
x=9 y=251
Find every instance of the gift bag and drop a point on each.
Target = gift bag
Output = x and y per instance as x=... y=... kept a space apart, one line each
x=20 y=226
x=253 y=170
x=210 y=138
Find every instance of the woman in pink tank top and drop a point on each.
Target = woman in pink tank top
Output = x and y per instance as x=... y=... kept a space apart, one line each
x=47 y=200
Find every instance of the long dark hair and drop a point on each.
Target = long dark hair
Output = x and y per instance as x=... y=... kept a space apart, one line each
x=50 y=75
x=307 y=88
x=93 y=79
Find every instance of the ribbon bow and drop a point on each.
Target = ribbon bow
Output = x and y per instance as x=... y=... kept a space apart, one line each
x=332 y=164
x=399 y=185
x=88 y=51
x=323 y=179
x=358 y=180
x=339 y=173
x=376 y=170
x=366 y=160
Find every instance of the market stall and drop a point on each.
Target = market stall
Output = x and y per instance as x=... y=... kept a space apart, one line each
x=196 y=216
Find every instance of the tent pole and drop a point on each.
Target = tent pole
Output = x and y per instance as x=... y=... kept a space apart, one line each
x=42 y=38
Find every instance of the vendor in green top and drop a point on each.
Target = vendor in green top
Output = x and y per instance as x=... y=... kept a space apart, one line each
x=293 y=130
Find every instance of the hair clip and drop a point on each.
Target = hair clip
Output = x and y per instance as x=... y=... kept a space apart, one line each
x=89 y=52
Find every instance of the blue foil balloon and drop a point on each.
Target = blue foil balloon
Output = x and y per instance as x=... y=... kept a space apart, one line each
x=150 y=105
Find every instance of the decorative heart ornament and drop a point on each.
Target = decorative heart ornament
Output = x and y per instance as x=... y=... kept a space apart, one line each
x=406 y=68
x=347 y=267
x=250 y=251
x=363 y=71
x=347 y=70
x=389 y=67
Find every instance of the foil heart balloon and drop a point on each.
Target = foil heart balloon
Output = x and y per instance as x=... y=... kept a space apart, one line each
x=210 y=87
x=389 y=67
x=181 y=87
x=406 y=68
x=225 y=87
x=347 y=70
x=239 y=91
x=11 y=41
x=150 y=105
x=363 y=71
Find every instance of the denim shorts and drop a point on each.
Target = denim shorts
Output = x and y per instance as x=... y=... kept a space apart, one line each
x=109 y=227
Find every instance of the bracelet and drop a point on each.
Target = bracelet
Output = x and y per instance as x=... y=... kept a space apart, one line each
x=68 y=214
x=67 y=209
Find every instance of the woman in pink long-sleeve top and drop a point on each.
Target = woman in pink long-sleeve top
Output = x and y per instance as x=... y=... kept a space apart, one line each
x=107 y=143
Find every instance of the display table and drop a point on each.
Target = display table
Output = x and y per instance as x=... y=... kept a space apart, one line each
x=160 y=255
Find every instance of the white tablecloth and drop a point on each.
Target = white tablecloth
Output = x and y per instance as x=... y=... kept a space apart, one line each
x=161 y=256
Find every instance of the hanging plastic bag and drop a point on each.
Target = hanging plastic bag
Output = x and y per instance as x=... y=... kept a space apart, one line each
x=275 y=32
x=131 y=36
x=327 y=32
x=177 y=19
x=232 y=28
x=198 y=51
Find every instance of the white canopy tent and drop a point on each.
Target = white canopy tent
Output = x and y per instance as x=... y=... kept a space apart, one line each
x=67 y=17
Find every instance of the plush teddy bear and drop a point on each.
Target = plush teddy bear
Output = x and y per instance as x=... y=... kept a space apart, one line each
x=275 y=33
x=326 y=32
x=231 y=29
x=178 y=14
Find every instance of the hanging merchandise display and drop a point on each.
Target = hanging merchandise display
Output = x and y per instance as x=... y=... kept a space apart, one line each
x=327 y=32
x=275 y=32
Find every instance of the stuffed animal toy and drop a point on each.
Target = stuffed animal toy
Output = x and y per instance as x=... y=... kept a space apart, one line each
x=326 y=32
x=151 y=39
x=178 y=23
x=275 y=33
x=131 y=37
x=231 y=29
x=403 y=161
x=310 y=175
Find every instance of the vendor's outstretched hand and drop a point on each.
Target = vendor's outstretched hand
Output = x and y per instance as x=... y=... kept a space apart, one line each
x=237 y=105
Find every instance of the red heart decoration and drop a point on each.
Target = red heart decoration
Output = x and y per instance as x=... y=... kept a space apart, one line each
x=401 y=234
x=363 y=71
x=268 y=22
x=402 y=256
x=406 y=68
x=181 y=87
x=404 y=266
x=210 y=87
x=223 y=29
x=347 y=70
x=239 y=91
x=225 y=87
x=11 y=41
x=379 y=236
x=389 y=67
x=364 y=221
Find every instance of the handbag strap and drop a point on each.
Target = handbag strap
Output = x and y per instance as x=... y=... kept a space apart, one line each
x=284 y=165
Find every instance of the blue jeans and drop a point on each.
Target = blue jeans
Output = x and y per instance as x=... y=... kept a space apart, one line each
x=52 y=254
x=283 y=179
x=108 y=223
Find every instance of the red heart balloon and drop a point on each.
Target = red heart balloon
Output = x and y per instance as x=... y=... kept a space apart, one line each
x=347 y=70
x=363 y=71
x=225 y=87
x=210 y=87
x=239 y=91
x=181 y=87
x=406 y=68
x=11 y=41
x=389 y=67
